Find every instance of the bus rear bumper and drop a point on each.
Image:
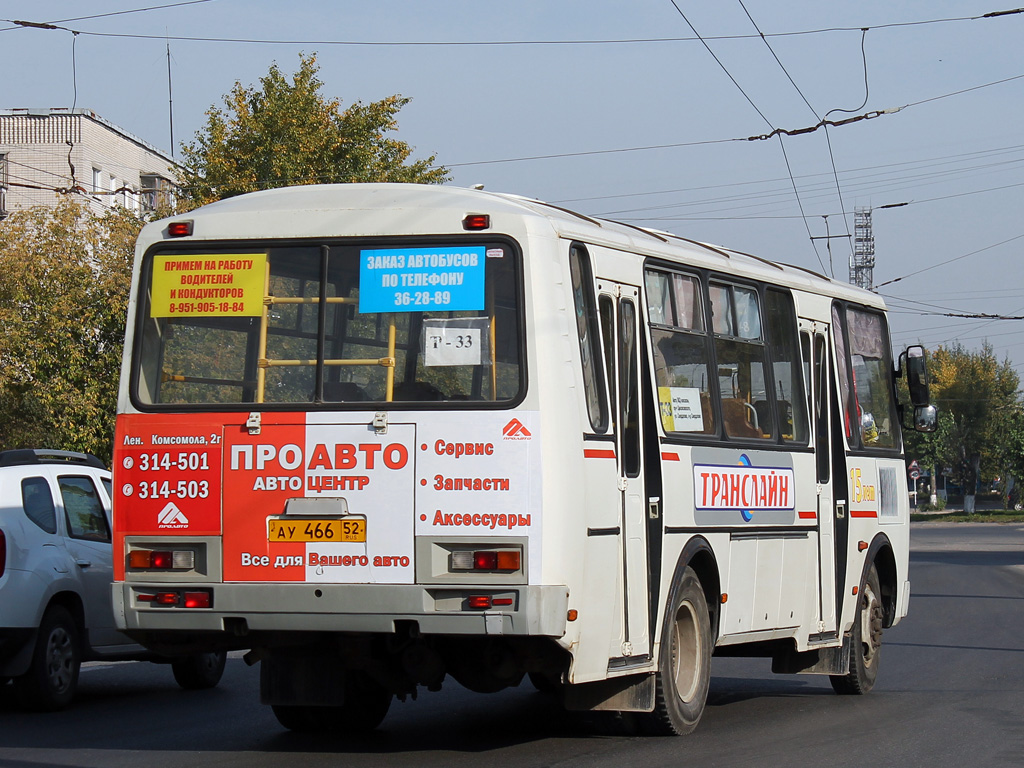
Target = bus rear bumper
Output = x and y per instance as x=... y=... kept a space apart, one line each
x=276 y=607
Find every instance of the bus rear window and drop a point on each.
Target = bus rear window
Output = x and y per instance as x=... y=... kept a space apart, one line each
x=329 y=323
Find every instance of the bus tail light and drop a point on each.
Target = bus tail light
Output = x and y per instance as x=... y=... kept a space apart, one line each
x=479 y=601
x=201 y=598
x=180 y=228
x=486 y=560
x=476 y=221
x=162 y=560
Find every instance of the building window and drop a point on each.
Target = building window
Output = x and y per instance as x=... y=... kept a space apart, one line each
x=97 y=180
x=3 y=185
x=156 y=192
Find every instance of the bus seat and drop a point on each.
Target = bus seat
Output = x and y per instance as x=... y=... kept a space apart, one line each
x=734 y=414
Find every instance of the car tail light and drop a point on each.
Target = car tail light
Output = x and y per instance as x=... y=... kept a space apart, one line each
x=3 y=553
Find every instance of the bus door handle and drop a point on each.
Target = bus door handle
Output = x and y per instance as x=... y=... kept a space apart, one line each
x=841 y=509
x=654 y=508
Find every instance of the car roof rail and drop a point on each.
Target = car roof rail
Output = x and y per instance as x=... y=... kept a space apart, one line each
x=21 y=456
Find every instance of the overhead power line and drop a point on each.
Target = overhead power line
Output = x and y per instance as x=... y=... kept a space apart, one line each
x=760 y=137
x=499 y=43
x=949 y=261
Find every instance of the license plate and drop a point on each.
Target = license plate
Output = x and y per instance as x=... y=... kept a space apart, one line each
x=298 y=529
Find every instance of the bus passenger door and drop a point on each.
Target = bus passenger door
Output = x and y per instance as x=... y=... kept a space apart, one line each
x=620 y=324
x=814 y=347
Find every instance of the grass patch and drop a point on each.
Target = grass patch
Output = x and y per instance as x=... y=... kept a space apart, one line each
x=985 y=516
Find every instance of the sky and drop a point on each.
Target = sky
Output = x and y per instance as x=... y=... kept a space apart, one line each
x=641 y=112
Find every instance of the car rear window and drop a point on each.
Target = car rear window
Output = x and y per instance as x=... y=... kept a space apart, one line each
x=83 y=509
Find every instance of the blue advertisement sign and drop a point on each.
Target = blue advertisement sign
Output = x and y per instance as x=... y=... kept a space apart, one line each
x=417 y=279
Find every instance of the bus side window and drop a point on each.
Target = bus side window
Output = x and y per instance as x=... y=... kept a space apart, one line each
x=589 y=337
x=681 y=352
x=782 y=338
x=742 y=358
x=871 y=366
x=843 y=371
x=821 y=416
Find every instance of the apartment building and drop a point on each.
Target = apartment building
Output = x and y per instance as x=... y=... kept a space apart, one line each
x=45 y=153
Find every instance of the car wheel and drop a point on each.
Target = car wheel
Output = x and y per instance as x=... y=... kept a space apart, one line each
x=203 y=670
x=52 y=676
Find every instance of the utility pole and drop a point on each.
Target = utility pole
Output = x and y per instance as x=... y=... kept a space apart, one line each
x=862 y=261
x=170 y=100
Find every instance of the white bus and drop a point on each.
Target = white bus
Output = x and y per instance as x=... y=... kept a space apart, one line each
x=383 y=434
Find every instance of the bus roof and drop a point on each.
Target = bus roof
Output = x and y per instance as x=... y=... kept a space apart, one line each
x=368 y=210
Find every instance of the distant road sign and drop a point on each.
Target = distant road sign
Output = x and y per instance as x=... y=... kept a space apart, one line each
x=914 y=464
x=914 y=474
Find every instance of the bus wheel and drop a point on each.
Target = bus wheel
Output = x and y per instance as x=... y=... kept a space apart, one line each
x=366 y=704
x=865 y=641
x=684 y=669
x=52 y=677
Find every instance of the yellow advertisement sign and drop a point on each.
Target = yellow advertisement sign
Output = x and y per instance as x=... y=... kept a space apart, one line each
x=199 y=285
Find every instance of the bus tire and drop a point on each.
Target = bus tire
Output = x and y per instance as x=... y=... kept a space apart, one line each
x=52 y=677
x=366 y=704
x=865 y=640
x=199 y=671
x=684 y=666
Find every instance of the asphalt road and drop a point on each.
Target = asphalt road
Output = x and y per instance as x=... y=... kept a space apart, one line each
x=950 y=693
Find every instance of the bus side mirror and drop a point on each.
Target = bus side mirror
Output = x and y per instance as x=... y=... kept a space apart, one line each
x=926 y=418
x=913 y=362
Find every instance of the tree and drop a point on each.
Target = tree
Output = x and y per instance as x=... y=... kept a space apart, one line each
x=286 y=133
x=978 y=399
x=64 y=283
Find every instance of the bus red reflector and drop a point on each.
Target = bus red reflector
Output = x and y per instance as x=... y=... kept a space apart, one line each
x=476 y=221
x=161 y=559
x=496 y=560
x=479 y=601
x=166 y=598
x=485 y=561
x=197 y=599
x=502 y=601
x=180 y=228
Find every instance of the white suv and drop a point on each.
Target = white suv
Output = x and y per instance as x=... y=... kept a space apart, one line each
x=55 y=580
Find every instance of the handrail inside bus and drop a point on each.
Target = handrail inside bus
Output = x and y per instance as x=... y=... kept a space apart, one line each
x=263 y=362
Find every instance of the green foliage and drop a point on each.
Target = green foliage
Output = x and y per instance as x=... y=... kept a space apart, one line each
x=64 y=284
x=938 y=506
x=980 y=413
x=286 y=133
